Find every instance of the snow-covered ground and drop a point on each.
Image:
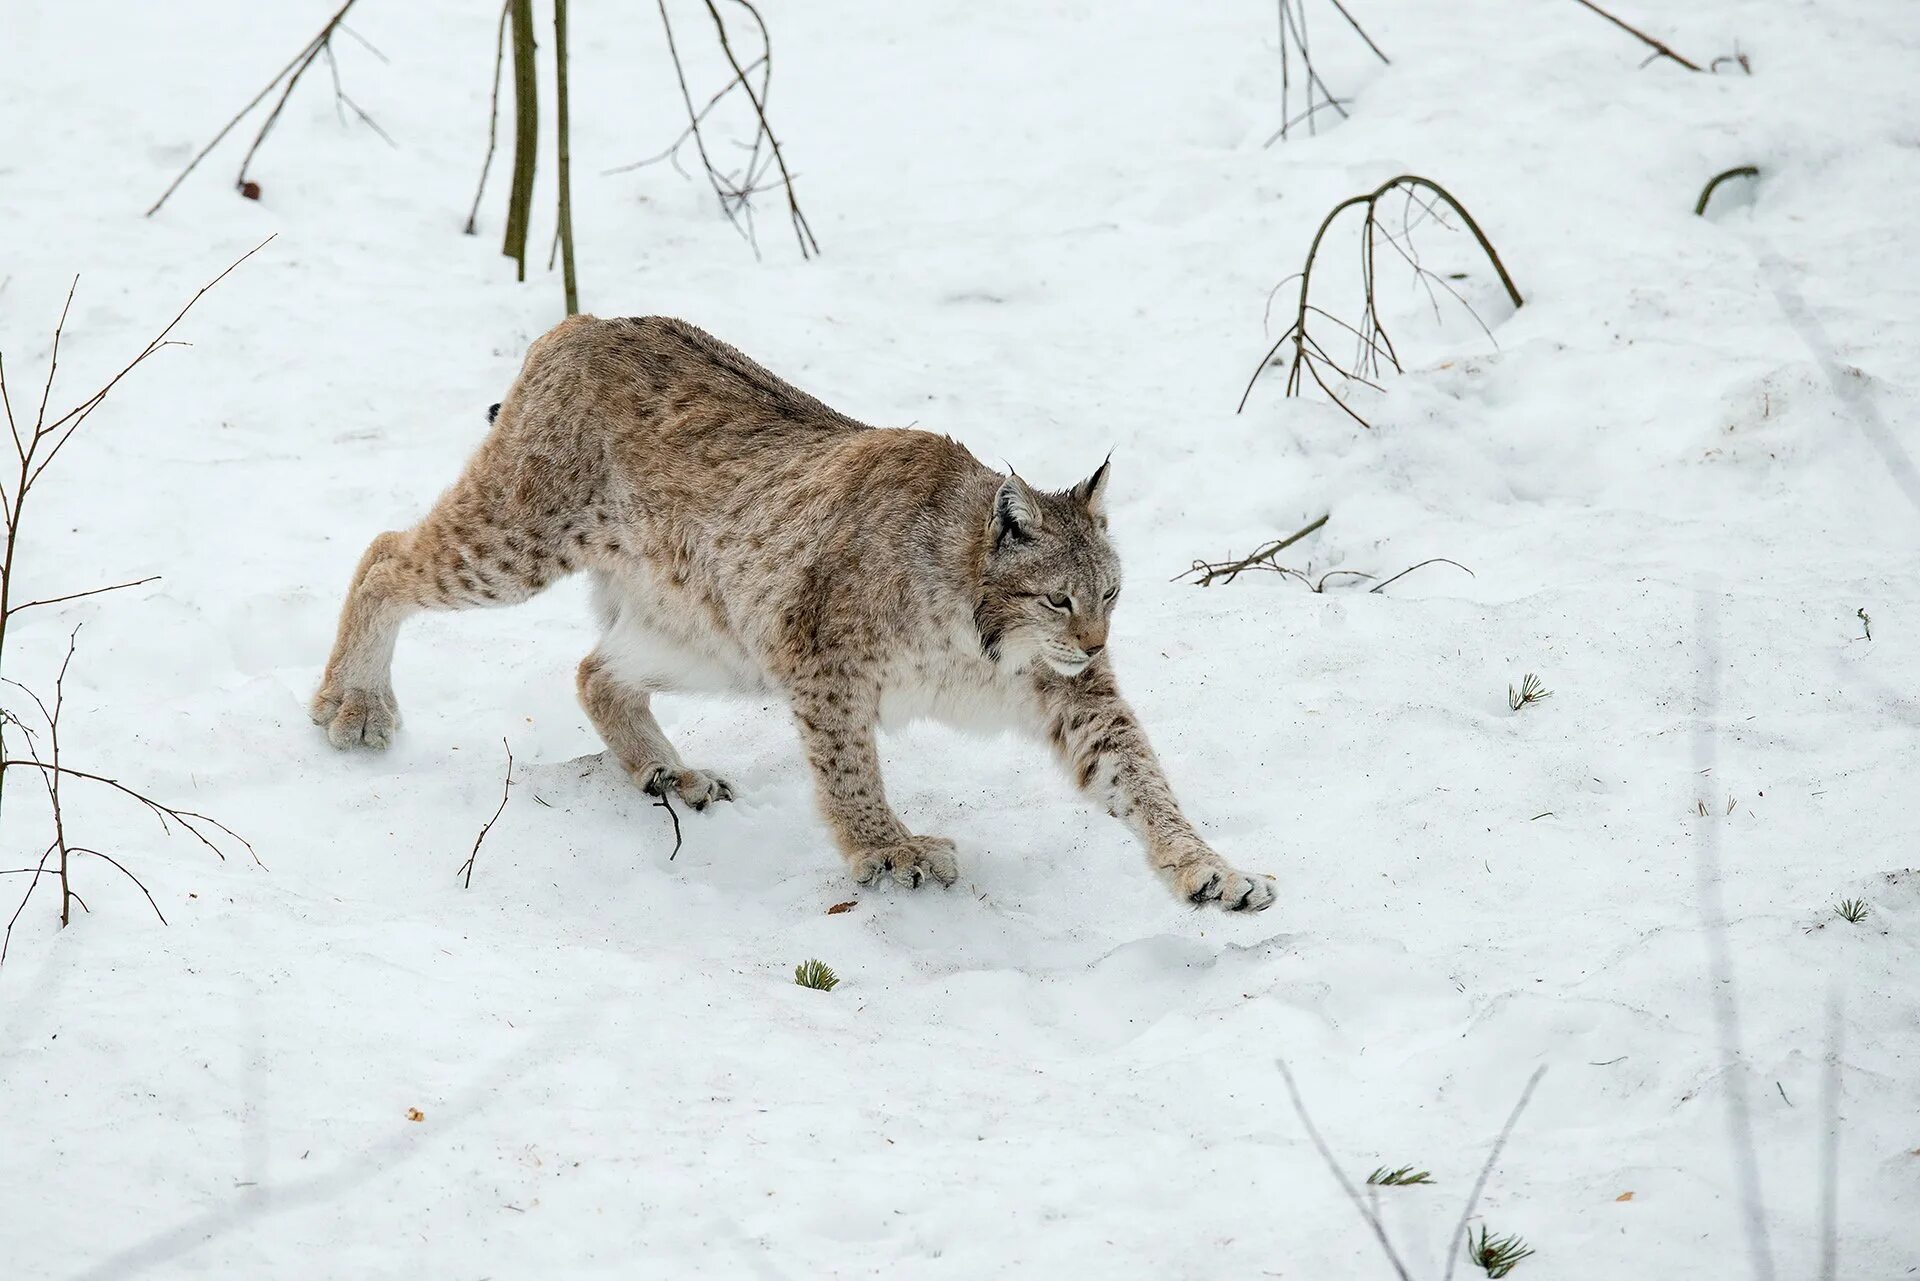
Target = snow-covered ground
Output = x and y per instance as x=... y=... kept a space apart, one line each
x=1049 y=229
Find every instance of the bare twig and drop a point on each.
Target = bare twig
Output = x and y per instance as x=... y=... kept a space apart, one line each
x=1366 y=1212
x=1432 y=560
x=1295 y=47
x=1493 y=1155
x=95 y=591
x=1309 y=358
x=36 y=445
x=1231 y=570
x=290 y=74
x=661 y=801
x=1659 y=50
x=1706 y=192
x=801 y=231
x=735 y=189
x=493 y=119
x=506 y=789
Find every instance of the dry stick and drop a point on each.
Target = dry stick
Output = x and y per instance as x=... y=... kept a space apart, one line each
x=1659 y=49
x=1232 y=569
x=1361 y=32
x=755 y=167
x=1434 y=560
x=801 y=231
x=1297 y=332
x=493 y=119
x=566 y=162
x=693 y=124
x=687 y=133
x=299 y=60
x=1706 y=192
x=526 y=136
x=1346 y=1185
x=1479 y=1184
x=55 y=435
x=661 y=801
x=506 y=789
x=96 y=591
x=6 y=940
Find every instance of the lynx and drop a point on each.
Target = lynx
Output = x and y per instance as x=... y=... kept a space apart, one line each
x=742 y=536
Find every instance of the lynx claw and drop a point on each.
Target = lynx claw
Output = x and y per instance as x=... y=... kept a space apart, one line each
x=912 y=862
x=697 y=788
x=1226 y=888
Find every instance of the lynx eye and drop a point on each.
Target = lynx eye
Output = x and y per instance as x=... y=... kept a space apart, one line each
x=1112 y=593
x=1057 y=601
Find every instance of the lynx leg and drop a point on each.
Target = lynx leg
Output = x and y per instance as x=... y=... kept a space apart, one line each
x=1099 y=740
x=837 y=730
x=451 y=560
x=623 y=714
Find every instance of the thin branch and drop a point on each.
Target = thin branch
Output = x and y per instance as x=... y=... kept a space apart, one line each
x=1432 y=560
x=506 y=789
x=162 y=812
x=296 y=66
x=802 y=232
x=1659 y=50
x=6 y=940
x=662 y=802
x=73 y=418
x=1706 y=192
x=97 y=591
x=1479 y=1184
x=77 y=849
x=493 y=118
x=688 y=132
x=1370 y=333
x=1371 y=1219
x=1232 y=569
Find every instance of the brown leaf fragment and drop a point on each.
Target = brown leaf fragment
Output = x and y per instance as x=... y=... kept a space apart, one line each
x=847 y=906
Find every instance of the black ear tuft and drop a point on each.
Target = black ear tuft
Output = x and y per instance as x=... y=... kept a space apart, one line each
x=493 y=412
x=1016 y=512
x=1091 y=493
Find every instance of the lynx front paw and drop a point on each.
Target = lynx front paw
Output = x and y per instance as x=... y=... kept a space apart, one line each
x=1212 y=881
x=356 y=717
x=914 y=860
x=696 y=787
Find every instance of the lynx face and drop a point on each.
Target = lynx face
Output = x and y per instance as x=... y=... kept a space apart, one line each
x=1051 y=576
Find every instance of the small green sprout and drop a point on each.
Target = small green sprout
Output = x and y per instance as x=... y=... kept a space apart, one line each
x=815 y=974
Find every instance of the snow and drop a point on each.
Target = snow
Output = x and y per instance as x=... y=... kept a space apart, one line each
x=1049 y=229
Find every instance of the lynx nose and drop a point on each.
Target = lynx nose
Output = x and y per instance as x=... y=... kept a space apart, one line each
x=1093 y=651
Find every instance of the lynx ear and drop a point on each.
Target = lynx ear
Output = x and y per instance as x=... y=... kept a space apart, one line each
x=1016 y=512
x=1091 y=493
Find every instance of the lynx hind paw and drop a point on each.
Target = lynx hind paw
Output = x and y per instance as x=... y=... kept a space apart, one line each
x=912 y=862
x=1225 y=888
x=696 y=787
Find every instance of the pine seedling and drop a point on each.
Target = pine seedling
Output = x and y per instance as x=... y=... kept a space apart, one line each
x=1530 y=691
x=1405 y=1176
x=1853 y=910
x=1498 y=1255
x=817 y=975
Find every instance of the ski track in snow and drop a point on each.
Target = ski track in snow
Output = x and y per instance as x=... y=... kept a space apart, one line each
x=1049 y=230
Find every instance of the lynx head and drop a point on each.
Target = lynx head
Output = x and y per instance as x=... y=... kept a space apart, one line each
x=1051 y=576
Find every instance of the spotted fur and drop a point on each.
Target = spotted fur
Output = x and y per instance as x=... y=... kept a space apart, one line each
x=744 y=536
